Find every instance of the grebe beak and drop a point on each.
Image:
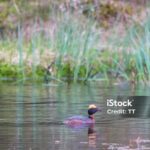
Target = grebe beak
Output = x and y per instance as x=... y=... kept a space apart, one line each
x=98 y=109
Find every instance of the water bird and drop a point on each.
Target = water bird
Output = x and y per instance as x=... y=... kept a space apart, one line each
x=82 y=121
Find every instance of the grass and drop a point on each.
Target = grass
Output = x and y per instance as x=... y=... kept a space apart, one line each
x=77 y=47
x=137 y=60
x=72 y=51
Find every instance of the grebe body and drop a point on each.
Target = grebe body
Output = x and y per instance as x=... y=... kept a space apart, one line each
x=79 y=121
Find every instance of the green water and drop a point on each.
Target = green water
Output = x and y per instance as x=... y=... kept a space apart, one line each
x=32 y=115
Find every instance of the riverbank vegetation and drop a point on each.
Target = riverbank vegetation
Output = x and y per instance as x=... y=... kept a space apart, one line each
x=70 y=42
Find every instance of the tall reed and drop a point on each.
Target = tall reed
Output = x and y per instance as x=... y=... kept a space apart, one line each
x=21 y=72
x=136 y=51
x=77 y=44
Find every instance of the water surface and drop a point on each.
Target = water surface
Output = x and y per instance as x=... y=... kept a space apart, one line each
x=32 y=115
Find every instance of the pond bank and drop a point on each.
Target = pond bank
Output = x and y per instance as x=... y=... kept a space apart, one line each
x=76 y=50
x=105 y=65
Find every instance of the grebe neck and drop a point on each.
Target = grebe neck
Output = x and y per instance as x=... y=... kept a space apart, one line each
x=91 y=117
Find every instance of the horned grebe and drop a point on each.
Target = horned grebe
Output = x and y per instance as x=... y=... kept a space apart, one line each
x=81 y=121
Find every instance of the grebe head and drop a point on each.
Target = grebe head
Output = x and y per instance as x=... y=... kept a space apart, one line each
x=92 y=110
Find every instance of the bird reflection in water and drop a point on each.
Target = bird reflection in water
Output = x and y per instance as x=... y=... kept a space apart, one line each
x=91 y=136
